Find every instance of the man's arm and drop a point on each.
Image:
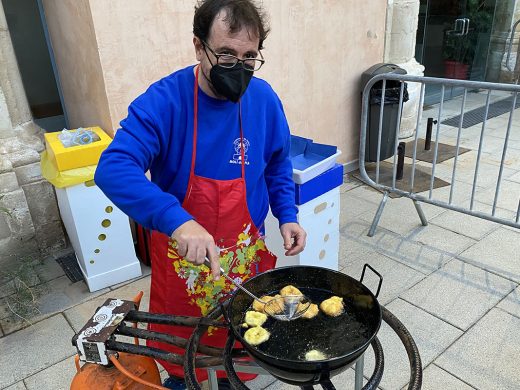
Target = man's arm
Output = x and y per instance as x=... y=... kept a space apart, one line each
x=120 y=175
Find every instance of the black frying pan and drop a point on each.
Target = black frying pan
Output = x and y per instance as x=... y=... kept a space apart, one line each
x=343 y=339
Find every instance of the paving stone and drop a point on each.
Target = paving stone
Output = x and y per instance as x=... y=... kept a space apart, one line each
x=48 y=269
x=459 y=293
x=353 y=249
x=504 y=214
x=22 y=272
x=80 y=314
x=511 y=303
x=16 y=248
x=17 y=386
x=44 y=344
x=352 y=207
x=350 y=182
x=487 y=173
x=51 y=297
x=508 y=196
x=431 y=335
x=397 y=277
x=435 y=378
x=56 y=377
x=496 y=252
x=441 y=239
x=421 y=257
x=484 y=356
x=345 y=380
x=501 y=131
x=490 y=145
x=512 y=159
x=261 y=382
x=145 y=271
x=355 y=244
x=461 y=194
x=368 y=193
x=163 y=373
x=515 y=177
x=464 y=224
x=359 y=228
x=400 y=215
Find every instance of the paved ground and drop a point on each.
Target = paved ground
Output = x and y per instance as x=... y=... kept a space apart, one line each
x=454 y=283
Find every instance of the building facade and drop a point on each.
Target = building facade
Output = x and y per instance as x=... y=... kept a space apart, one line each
x=104 y=54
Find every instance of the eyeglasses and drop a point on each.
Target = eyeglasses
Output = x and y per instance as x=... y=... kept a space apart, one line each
x=229 y=60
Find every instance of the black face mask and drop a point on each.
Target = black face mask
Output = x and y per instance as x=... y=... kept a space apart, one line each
x=230 y=82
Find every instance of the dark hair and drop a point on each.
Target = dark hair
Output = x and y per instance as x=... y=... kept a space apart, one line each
x=240 y=13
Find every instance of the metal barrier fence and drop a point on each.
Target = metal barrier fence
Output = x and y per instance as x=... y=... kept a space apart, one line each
x=485 y=89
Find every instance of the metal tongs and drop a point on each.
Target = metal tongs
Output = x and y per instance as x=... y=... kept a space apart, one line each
x=283 y=308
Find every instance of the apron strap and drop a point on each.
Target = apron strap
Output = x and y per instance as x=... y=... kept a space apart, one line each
x=195 y=116
x=242 y=160
x=195 y=127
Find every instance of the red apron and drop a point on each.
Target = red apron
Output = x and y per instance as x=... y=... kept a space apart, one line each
x=183 y=288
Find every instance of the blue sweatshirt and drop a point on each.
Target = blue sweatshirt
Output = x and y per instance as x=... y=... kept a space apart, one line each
x=157 y=135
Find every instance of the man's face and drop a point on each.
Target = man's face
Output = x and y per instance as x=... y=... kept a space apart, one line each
x=242 y=44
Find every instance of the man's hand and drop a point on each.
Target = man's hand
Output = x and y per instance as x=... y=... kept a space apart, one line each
x=293 y=238
x=194 y=243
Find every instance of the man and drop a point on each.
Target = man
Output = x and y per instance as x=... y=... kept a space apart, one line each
x=216 y=139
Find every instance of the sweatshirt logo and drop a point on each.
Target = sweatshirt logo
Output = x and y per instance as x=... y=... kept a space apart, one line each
x=237 y=156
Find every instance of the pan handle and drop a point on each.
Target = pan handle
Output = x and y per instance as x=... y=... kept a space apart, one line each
x=374 y=271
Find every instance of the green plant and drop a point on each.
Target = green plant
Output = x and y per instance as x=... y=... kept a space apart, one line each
x=462 y=48
x=23 y=301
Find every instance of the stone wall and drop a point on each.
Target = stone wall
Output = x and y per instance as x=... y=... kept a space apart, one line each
x=33 y=226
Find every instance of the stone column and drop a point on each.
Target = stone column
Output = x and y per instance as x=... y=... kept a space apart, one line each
x=401 y=31
x=507 y=13
x=10 y=79
x=32 y=227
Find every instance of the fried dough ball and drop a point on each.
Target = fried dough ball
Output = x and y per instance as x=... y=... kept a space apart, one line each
x=254 y=318
x=315 y=355
x=259 y=306
x=256 y=335
x=290 y=290
x=333 y=306
x=276 y=308
x=311 y=312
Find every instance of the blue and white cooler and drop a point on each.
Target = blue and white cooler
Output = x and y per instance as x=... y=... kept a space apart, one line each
x=317 y=178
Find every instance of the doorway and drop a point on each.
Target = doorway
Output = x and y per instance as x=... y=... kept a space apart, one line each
x=453 y=41
x=30 y=43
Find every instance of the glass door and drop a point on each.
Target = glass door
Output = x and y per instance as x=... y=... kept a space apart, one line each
x=453 y=41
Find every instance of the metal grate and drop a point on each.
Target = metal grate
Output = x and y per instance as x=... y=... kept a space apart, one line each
x=70 y=266
x=476 y=116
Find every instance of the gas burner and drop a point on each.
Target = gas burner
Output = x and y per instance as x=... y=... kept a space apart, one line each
x=96 y=343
